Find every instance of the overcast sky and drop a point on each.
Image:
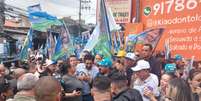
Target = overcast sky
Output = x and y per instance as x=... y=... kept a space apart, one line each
x=59 y=8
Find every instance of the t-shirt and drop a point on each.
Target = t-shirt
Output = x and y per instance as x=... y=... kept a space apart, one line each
x=19 y=97
x=71 y=83
x=151 y=82
x=82 y=70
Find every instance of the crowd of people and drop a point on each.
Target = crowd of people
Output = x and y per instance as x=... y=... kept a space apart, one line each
x=133 y=76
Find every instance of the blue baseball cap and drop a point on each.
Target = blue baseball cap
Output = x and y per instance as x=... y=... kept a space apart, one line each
x=170 y=68
x=105 y=63
x=178 y=57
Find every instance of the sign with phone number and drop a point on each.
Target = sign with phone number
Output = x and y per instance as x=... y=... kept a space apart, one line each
x=182 y=22
x=172 y=5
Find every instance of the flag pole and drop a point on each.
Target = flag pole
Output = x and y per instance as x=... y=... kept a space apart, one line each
x=107 y=21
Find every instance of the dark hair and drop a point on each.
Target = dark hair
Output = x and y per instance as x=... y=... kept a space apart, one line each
x=193 y=73
x=196 y=63
x=64 y=68
x=119 y=79
x=87 y=52
x=172 y=75
x=149 y=45
x=88 y=57
x=118 y=76
x=72 y=56
x=102 y=83
x=182 y=90
x=4 y=85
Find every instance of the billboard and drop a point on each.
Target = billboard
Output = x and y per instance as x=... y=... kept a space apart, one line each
x=121 y=10
x=182 y=22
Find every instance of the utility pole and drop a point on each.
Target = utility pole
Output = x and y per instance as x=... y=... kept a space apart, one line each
x=85 y=6
x=137 y=20
x=2 y=16
x=80 y=14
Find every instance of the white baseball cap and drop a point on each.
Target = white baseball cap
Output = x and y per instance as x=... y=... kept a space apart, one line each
x=141 y=65
x=131 y=56
x=49 y=62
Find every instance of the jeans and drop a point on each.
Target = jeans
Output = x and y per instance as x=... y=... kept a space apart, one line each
x=87 y=97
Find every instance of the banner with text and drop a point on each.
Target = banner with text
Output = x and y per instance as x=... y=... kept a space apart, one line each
x=121 y=10
x=182 y=22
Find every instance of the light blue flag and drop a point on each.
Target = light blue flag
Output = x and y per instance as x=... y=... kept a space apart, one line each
x=41 y=21
x=100 y=40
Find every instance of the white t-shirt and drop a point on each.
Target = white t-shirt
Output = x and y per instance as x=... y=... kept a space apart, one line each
x=81 y=70
x=151 y=82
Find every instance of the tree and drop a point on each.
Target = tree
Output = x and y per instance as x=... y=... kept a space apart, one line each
x=2 y=17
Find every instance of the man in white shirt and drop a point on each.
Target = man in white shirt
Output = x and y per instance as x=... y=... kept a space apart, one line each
x=86 y=72
x=145 y=79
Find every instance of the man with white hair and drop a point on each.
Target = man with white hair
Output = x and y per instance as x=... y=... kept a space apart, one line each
x=25 y=85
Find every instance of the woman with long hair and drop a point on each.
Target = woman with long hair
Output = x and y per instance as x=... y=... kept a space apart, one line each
x=195 y=83
x=178 y=90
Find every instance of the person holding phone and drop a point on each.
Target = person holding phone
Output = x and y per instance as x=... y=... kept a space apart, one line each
x=145 y=80
x=71 y=85
x=86 y=73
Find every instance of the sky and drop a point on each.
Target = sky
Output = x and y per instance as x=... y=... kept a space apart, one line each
x=59 y=8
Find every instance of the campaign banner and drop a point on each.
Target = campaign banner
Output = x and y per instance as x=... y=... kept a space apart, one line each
x=131 y=30
x=182 y=22
x=121 y=10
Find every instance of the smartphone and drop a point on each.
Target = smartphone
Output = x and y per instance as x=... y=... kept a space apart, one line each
x=78 y=89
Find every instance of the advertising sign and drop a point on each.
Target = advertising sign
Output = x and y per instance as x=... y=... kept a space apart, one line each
x=181 y=20
x=121 y=10
x=131 y=30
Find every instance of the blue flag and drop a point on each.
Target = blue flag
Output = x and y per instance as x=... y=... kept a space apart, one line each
x=58 y=52
x=27 y=45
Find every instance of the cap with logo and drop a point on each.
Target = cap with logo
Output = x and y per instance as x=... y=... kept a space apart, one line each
x=131 y=56
x=170 y=68
x=50 y=62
